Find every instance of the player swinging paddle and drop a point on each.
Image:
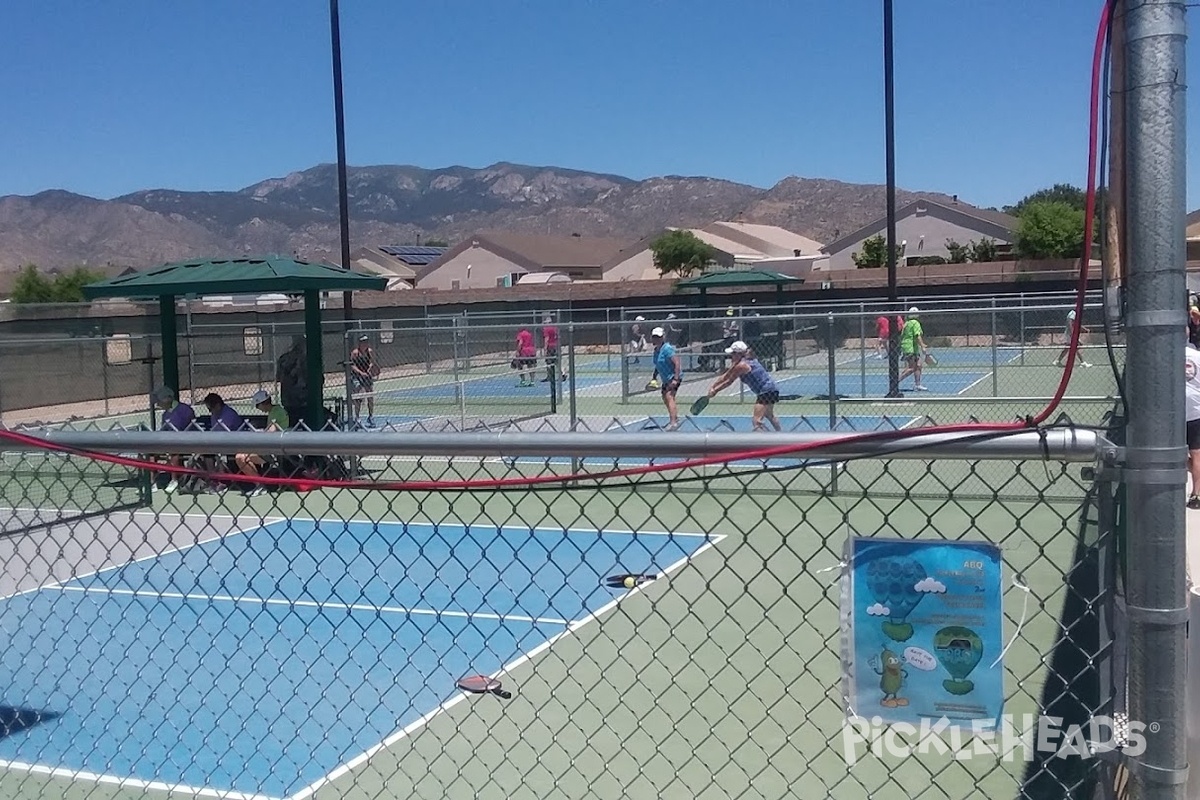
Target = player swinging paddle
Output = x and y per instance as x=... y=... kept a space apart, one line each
x=756 y=378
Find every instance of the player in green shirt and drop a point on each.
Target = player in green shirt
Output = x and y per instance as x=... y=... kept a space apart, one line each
x=913 y=349
x=277 y=420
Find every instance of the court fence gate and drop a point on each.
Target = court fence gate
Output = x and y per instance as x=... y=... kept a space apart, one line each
x=688 y=614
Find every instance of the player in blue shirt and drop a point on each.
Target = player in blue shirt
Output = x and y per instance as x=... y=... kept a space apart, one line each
x=668 y=371
x=754 y=375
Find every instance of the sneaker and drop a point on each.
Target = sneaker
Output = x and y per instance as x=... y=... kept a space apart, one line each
x=921 y=388
x=171 y=487
x=1084 y=364
x=1193 y=502
x=674 y=426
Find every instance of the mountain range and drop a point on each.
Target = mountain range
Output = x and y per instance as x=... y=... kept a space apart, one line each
x=298 y=214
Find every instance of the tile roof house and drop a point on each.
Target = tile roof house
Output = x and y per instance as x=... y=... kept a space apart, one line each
x=501 y=258
x=397 y=263
x=923 y=226
x=738 y=244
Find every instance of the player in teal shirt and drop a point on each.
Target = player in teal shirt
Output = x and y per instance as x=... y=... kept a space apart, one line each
x=668 y=372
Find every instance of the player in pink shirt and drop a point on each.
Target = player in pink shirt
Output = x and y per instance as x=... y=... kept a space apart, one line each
x=550 y=344
x=525 y=357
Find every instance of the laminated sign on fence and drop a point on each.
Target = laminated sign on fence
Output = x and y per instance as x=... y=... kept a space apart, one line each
x=925 y=631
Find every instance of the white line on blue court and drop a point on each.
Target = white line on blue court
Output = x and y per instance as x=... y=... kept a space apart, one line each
x=172 y=789
x=322 y=605
x=415 y=726
x=510 y=528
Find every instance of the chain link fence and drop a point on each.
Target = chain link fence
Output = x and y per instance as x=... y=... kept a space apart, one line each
x=693 y=633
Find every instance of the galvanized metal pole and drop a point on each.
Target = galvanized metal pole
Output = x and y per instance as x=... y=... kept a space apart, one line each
x=1154 y=471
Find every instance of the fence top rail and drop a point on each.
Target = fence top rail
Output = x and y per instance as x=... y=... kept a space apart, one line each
x=1056 y=444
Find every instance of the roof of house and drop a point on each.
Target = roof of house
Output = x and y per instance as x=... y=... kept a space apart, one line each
x=771 y=240
x=1192 y=224
x=534 y=252
x=414 y=255
x=377 y=262
x=998 y=221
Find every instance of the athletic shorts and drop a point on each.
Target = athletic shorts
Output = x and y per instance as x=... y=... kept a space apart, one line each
x=1193 y=434
x=912 y=358
x=361 y=384
x=670 y=388
x=768 y=398
x=551 y=355
x=526 y=363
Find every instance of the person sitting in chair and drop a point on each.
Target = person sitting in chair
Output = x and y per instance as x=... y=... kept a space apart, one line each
x=177 y=416
x=250 y=463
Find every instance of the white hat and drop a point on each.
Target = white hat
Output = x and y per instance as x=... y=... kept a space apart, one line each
x=260 y=397
x=640 y=319
x=913 y=310
x=1071 y=314
x=364 y=338
x=737 y=347
x=670 y=316
x=657 y=332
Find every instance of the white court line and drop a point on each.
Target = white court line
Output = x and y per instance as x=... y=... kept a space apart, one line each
x=502 y=528
x=975 y=383
x=264 y=601
x=415 y=726
x=173 y=789
x=174 y=549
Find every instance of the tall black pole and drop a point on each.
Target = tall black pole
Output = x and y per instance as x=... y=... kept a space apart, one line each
x=335 y=31
x=889 y=111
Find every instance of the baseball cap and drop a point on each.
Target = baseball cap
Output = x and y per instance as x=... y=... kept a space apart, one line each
x=640 y=319
x=162 y=394
x=364 y=338
x=1071 y=314
x=657 y=332
x=671 y=316
x=260 y=397
x=737 y=347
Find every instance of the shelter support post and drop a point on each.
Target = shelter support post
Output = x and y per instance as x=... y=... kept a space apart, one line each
x=170 y=342
x=315 y=368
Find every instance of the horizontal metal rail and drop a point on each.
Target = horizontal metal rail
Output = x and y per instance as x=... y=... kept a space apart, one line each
x=1059 y=444
x=917 y=399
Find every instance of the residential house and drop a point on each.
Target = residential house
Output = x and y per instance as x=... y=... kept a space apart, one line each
x=500 y=258
x=397 y=263
x=737 y=245
x=923 y=227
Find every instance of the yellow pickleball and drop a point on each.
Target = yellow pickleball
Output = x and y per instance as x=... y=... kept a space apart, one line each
x=630 y=582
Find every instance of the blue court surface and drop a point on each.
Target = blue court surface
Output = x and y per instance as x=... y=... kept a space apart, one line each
x=261 y=662
x=723 y=422
x=504 y=387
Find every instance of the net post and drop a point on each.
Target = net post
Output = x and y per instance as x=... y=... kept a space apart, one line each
x=349 y=390
x=995 y=355
x=104 y=374
x=1022 y=324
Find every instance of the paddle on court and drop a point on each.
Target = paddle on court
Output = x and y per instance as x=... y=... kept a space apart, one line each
x=482 y=684
x=627 y=581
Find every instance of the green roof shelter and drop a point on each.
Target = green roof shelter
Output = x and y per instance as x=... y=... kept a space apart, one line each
x=240 y=276
x=730 y=279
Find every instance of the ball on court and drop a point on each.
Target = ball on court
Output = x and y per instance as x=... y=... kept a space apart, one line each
x=630 y=582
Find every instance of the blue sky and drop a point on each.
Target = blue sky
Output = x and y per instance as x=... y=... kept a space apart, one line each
x=107 y=98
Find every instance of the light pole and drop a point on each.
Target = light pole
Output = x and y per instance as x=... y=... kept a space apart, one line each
x=340 y=124
x=889 y=114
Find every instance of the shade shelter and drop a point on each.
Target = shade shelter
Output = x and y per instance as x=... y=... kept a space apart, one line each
x=240 y=276
x=731 y=279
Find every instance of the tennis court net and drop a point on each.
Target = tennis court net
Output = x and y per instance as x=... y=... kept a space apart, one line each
x=42 y=489
x=495 y=391
x=704 y=361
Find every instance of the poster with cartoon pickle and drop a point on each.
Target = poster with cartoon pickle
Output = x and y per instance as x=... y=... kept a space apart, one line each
x=925 y=630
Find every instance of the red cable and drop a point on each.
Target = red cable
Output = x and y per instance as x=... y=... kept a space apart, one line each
x=306 y=484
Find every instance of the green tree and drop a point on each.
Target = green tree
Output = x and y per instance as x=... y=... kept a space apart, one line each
x=958 y=253
x=33 y=287
x=874 y=253
x=681 y=253
x=1058 y=193
x=437 y=243
x=1050 y=229
x=982 y=251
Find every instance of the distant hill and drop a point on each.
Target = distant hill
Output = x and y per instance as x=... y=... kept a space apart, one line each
x=396 y=204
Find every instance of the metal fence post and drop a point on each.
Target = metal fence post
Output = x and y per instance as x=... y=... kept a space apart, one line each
x=1155 y=472
x=571 y=400
x=995 y=355
x=862 y=348
x=833 y=398
x=1022 y=301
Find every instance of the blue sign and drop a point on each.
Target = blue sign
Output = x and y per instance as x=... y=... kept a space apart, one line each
x=925 y=632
